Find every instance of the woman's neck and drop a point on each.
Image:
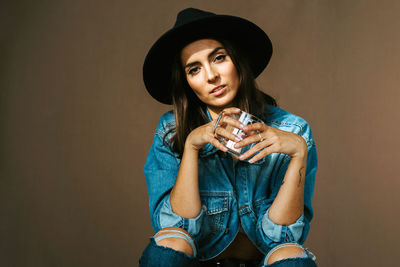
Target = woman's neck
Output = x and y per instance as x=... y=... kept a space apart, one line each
x=214 y=112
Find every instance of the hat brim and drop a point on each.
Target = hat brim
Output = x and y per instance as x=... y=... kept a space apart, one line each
x=242 y=33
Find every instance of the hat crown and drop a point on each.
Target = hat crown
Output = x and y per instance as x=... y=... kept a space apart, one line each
x=191 y=14
x=193 y=24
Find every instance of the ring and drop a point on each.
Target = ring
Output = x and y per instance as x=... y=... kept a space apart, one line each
x=217 y=123
x=261 y=138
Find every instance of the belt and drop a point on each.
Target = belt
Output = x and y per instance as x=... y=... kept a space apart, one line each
x=230 y=262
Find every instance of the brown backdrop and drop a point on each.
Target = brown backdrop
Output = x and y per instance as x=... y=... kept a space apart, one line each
x=76 y=123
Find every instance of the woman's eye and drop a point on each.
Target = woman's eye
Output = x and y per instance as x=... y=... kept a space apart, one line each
x=220 y=57
x=193 y=70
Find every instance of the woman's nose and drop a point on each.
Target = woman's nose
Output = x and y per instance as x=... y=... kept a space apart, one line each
x=212 y=75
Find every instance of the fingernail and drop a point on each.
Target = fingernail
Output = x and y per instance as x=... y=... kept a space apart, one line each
x=241 y=126
x=245 y=128
x=237 y=139
x=251 y=161
x=241 y=157
x=236 y=145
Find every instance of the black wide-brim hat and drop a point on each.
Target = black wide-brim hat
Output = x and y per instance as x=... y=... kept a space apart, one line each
x=194 y=24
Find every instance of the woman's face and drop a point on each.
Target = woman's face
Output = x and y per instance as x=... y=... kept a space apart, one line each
x=211 y=73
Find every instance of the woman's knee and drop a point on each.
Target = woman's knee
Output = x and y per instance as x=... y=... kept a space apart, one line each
x=286 y=251
x=176 y=239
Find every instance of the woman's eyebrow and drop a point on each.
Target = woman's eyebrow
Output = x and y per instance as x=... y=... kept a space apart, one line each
x=215 y=51
x=212 y=53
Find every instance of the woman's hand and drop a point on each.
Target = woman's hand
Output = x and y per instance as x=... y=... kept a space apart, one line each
x=204 y=134
x=185 y=195
x=271 y=140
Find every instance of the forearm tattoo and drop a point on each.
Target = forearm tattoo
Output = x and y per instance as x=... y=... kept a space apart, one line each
x=300 y=176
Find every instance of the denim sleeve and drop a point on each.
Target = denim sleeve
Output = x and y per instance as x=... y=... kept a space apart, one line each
x=283 y=233
x=298 y=231
x=161 y=169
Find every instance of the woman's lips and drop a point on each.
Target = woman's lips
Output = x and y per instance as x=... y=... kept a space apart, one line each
x=218 y=90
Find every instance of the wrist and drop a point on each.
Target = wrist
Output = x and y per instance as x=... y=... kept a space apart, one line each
x=302 y=150
x=190 y=146
x=301 y=155
x=299 y=159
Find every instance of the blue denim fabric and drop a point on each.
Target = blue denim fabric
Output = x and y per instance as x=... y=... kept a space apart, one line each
x=295 y=262
x=158 y=256
x=231 y=193
x=304 y=259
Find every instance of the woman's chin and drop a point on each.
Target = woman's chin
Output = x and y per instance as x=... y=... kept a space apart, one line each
x=222 y=102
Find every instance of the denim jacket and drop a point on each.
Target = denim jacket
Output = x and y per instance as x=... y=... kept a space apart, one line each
x=231 y=194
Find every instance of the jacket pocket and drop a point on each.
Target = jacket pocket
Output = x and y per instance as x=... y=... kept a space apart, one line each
x=215 y=213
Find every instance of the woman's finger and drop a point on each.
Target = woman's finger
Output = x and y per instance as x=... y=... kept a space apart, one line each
x=250 y=133
x=256 y=127
x=228 y=120
x=256 y=148
x=224 y=119
x=256 y=132
x=218 y=144
x=222 y=132
x=263 y=153
x=259 y=137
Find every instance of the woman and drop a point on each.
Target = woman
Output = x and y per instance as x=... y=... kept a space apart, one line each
x=209 y=207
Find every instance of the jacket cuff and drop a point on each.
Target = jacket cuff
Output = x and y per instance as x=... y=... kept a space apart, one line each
x=283 y=233
x=168 y=218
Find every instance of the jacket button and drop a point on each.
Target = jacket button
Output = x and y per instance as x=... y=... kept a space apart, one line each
x=226 y=230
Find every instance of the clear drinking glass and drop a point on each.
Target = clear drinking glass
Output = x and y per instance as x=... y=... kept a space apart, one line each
x=244 y=118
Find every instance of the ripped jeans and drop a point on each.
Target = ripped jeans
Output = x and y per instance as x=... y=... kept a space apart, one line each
x=159 y=256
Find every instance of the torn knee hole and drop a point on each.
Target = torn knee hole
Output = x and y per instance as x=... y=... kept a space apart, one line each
x=287 y=251
x=176 y=239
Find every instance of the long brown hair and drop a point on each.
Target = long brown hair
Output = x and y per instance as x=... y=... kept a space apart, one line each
x=190 y=112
